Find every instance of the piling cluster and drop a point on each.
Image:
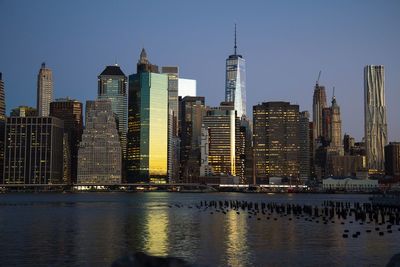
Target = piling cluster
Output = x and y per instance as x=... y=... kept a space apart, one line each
x=380 y=219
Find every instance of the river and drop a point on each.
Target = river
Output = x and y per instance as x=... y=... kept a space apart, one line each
x=94 y=229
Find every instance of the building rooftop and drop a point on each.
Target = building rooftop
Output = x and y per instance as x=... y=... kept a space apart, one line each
x=112 y=70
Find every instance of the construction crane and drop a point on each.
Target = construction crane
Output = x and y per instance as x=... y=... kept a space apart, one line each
x=319 y=76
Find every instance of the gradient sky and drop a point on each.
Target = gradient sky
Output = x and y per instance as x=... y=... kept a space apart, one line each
x=285 y=44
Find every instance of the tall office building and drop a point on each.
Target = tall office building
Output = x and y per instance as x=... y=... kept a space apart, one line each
x=304 y=145
x=2 y=100
x=375 y=117
x=99 y=155
x=173 y=115
x=147 y=147
x=235 y=81
x=222 y=127
x=319 y=103
x=44 y=91
x=336 y=127
x=192 y=110
x=70 y=111
x=33 y=150
x=2 y=125
x=276 y=140
x=112 y=85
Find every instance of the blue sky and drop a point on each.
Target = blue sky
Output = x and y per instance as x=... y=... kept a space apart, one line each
x=285 y=44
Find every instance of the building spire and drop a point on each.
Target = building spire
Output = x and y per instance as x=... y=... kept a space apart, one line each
x=235 y=40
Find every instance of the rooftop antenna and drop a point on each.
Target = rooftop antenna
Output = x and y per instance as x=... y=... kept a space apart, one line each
x=319 y=76
x=235 y=39
x=333 y=95
x=115 y=61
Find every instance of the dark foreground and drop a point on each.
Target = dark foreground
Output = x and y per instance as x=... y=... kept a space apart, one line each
x=88 y=229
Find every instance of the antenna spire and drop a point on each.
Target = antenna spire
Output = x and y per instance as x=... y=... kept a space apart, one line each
x=235 y=39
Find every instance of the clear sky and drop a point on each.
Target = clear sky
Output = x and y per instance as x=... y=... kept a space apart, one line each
x=285 y=44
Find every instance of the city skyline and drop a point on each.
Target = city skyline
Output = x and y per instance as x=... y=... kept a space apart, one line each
x=337 y=38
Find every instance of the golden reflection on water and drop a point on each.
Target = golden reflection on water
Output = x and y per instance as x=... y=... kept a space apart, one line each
x=156 y=231
x=236 y=247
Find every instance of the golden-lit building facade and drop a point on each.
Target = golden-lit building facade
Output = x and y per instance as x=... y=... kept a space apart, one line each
x=222 y=125
x=276 y=140
x=147 y=149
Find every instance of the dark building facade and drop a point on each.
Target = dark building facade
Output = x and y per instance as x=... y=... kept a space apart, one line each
x=2 y=124
x=33 y=150
x=70 y=111
x=191 y=113
x=392 y=158
x=276 y=140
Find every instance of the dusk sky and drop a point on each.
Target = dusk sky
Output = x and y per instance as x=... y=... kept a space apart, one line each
x=285 y=44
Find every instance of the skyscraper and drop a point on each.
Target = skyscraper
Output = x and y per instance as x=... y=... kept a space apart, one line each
x=2 y=125
x=192 y=111
x=70 y=111
x=336 y=127
x=319 y=103
x=276 y=140
x=147 y=147
x=112 y=85
x=222 y=127
x=99 y=155
x=173 y=115
x=304 y=145
x=235 y=81
x=375 y=117
x=392 y=158
x=44 y=91
x=2 y=100
x=33 y=150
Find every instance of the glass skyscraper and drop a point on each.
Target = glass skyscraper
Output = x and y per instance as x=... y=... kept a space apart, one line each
x=147 y=148
x=112 y=85
x=235 y=82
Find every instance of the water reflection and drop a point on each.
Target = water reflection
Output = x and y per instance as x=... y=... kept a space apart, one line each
x=237 y=252
x=156 y=231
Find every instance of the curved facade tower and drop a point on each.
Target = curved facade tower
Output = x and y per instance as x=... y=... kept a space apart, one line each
x=235 y=82
x=375 y=116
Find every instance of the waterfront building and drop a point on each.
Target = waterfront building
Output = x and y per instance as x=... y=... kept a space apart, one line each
x=147 y=147
x=222 y=126
x=2 y=125
x=349 y=184
x=23 y=111
x=375 y=117
x=276 y=140
x=70 y=111
x=392 y=158
x=99 y=154
x=33 y=150
x=187 y=87
x=44 y=91
x=112 y=85
x=192 y=110
x=235 y=81
x=2 y=100
x=304 y=145
x=173 y=115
